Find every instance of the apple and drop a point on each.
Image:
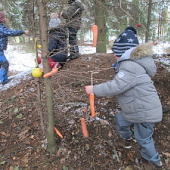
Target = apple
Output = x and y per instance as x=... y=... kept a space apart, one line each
x=38 y=60
x=139 y=25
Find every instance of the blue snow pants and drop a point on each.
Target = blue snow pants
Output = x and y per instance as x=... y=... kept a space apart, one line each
x=4 y=65
x=143 y=134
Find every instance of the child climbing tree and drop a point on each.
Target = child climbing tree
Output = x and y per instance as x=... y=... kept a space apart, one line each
x=51 y=143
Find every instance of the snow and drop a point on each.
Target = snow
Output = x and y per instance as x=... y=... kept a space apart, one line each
x=23 y=62
x=19 y=61
x=161 y=48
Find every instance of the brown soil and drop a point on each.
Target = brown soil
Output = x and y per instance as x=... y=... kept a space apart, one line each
x=23 y=143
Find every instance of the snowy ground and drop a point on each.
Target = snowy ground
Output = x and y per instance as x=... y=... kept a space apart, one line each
x=23 y=63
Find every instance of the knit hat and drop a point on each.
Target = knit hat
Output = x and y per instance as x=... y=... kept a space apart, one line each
x=54 y=22
x=132 y=29
x=125 y=41
x=2 y=17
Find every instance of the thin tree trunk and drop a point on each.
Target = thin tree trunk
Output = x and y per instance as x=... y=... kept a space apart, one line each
x=33 y=19
x=100 y=21
x=148 y=21
x=39 y=107
x=51 y=143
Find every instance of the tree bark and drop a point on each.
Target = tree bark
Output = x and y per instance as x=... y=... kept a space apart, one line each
x=51 y=143
x=100 y=21
x=147 y=34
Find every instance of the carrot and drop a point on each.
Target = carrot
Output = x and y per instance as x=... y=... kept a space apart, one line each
x=95 y=34
x=58 y=133
x=84 y=128
x=91 y=99
x=54 y=70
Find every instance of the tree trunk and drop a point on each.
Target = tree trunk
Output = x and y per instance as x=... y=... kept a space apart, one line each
x=33 y=18
x=100 y=21
x=148 y=21
x=51 y=143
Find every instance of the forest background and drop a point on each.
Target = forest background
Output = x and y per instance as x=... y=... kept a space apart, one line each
x=149 y=17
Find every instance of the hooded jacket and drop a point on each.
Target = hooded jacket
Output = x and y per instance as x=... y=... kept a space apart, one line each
x=133 y=86
x=58 y=44
x=73 y=15
x=4 y=33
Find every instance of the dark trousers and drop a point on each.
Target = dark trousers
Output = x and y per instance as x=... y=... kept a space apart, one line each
x=74 y=50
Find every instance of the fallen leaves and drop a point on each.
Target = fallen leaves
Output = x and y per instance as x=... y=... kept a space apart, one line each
x=5 y=134
x=21 y=137
x=166 y=154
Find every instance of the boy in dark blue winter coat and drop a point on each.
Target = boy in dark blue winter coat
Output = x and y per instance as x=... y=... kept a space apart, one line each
x=57 y=46
x=4 y=33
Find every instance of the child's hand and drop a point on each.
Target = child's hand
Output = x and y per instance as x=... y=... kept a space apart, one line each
x=89 y=89
x=26 y=32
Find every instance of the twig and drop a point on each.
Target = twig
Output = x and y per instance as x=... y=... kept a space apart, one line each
x=40 y=105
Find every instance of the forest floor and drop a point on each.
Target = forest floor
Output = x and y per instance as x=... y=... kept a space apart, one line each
x=23 y=145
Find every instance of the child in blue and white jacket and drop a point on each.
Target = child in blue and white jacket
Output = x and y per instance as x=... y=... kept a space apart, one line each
x=4 y=33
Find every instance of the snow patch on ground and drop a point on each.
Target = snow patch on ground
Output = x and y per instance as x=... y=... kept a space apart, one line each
x=24 y=62
x=25 y=75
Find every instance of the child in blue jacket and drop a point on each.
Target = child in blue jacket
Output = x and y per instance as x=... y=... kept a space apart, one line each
x=4 y=33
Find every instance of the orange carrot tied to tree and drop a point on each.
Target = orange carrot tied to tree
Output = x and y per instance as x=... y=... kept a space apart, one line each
x=84 y=128
x=91 y=99
x=58 y=132
x=95 y=34
x=54 y=70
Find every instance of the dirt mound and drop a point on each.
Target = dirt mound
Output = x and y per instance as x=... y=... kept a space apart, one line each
x=23 y=144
